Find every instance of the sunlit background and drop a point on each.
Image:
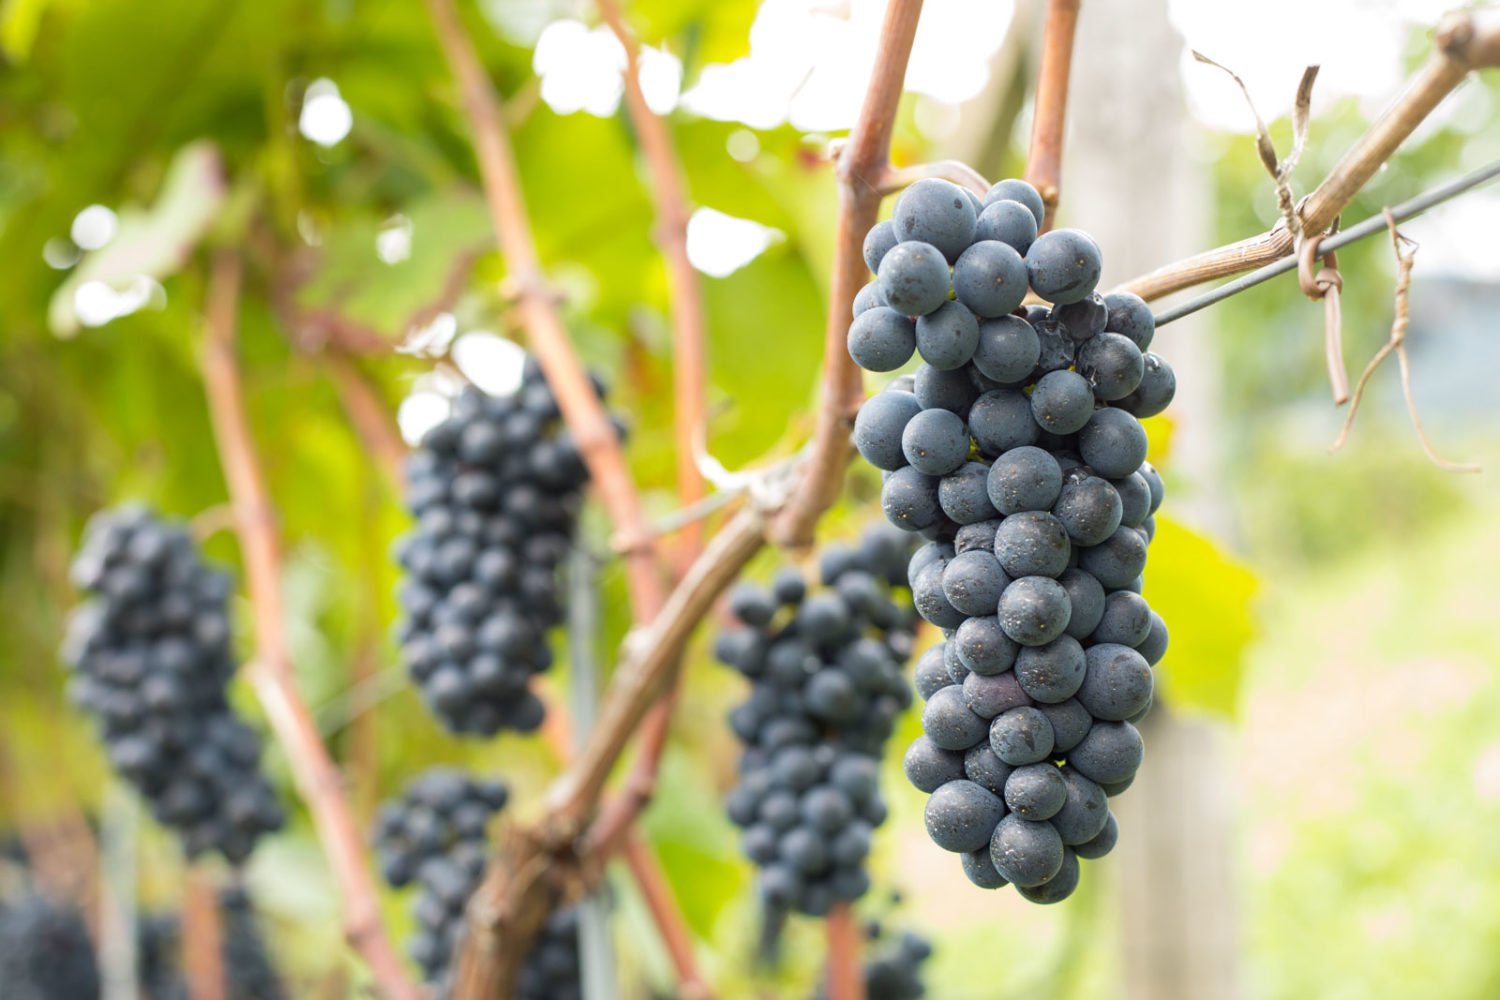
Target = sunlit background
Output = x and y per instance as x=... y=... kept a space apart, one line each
x=1317 y=812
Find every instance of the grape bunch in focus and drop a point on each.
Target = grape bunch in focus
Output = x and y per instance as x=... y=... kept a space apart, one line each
x=826 y=686
x=1016 y=450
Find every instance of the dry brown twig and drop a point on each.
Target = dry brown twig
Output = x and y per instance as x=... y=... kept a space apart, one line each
x=202 y=939
x=1406 y=251
x=317 y=777
x=1465 y=41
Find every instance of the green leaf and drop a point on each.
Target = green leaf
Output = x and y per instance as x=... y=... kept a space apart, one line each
x=1204 y=596
x=19 y=20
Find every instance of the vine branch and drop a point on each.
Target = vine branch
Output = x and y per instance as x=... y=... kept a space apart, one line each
x=1464 y=41
x=317 y=778
x=1050 y=117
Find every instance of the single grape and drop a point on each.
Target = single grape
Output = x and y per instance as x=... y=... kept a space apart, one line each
x=1135 y=499
x=1057 y=888
x=1112 y=364
x=1117 y=561
x=1070 y=723
x=1113 y=443
x=1063 y=265
x=930 y=600
x=1155 y=645
x=1117 y=684
x=1088 y=507
x=1084 y=813
x=1008 y=349
x=914 y=278
x=1109 y=754
x=879 y=425
x=973 y=583
x=1014 y=189
x=868 y=298
x=1102 y=843
x=1026 y=853
x=961 y=816
x=978 y=866
x=1055 y=350
x=882 y=339
x=947 y=336
x=1001 y=420
x=1020 y=736
x=990 y=695
x=950 y=723
x=935 y=442
x=944 y=390
x=1130 y=315
x=928 y=766
x=1032 y=543
x=1008 y=222
x=1024 y=478
x=964 y=495
x=1054 y=672
x=1062 y=402
x=1035 y=791
x=1126 y=620
x=1157 y=387
x=910 y=500
x=879 y=240
x=1034 y=610
x=1084 y=318
x=983 y=647
x=935 y=211
x=930 y=674
x=990 y=278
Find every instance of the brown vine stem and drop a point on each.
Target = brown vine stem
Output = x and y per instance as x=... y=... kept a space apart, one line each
x=1049 y=120
x=845 y=979
x=1464 y=41
x=862 y=165
x=548 y=337
x=669 y=197
x=670 y=200
x=202 y=939
x=317 y=778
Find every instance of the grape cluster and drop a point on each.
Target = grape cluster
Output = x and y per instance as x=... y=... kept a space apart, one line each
x=495 y=490
x=151 y=659
x=825 y=667
x=1015 y=449
x=435 y=835
x=45 y=953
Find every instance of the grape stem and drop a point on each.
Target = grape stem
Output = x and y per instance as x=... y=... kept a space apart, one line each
x=894 y=179
x=1465 y=41
x=270 y=673
x=1049 y=119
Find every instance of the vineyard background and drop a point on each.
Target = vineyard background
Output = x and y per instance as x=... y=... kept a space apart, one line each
x=1331 y=680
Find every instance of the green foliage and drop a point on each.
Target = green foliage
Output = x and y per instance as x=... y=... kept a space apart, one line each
x=1204 y=595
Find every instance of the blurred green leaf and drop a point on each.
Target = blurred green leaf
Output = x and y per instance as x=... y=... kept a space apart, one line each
x=1204 y=596
x=153 y=242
